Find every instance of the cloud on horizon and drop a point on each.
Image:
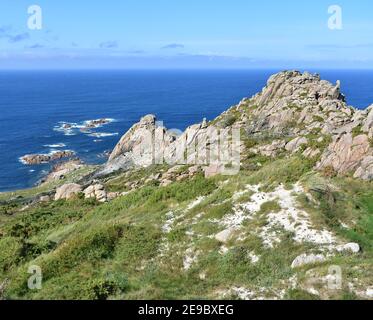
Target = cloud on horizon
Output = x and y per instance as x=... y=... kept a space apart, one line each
x=173 y=46
x=36 y=46
x=108 y=45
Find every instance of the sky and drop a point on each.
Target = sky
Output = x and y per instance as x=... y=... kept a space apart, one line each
x=161 y=34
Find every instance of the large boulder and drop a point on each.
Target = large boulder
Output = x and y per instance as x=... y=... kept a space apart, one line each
x=67 y=191
x=347 y=153
x=295 y=144
x=96 y=191
x=225 y=235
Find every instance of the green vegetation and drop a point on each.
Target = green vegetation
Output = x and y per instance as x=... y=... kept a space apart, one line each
x=138 y=245
x=357 y=131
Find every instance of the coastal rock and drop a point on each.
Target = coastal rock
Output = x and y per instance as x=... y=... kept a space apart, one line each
x=67 y=191
x=147 y=143
x=33 y=159
x=96 y=123
x=305 y=259
x=291 y=107
x=59 y=171
x=96 y=191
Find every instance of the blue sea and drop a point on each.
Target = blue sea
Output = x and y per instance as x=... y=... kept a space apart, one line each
x=34 y=105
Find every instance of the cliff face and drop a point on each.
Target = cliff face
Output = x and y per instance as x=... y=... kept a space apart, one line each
x=300 y=111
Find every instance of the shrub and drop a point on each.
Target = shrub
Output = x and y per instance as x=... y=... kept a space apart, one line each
x=228 y=121
x=329 y=172
x=10 y=250
x=269 y=207
x=357 y=131
x=100 y=289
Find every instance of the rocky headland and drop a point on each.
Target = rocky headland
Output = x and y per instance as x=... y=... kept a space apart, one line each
x=162 y=218
x=34 y=159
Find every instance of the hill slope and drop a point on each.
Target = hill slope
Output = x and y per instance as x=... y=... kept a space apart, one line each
x=299 y=210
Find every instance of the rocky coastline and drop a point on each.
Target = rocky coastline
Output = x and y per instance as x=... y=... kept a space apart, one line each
x=35 y=159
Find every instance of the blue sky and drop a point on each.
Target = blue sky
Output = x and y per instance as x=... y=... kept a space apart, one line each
x=186 y=34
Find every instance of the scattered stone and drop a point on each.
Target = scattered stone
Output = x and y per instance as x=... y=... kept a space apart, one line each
x=225 y=235
x=349 y=247
x=112 y=195
x=193 y=170
x=166 y=183
x=305 y=259
x=45 y=199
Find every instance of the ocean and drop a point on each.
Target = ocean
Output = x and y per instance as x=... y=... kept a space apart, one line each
x=43 y=111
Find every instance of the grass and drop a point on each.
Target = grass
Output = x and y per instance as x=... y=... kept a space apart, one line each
x=269 y=207
x=117 y=250
x=22 y=195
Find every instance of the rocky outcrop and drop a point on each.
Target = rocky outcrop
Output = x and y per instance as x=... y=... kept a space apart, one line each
x=59 y=171
x=298 y=105
x=67 y=191
x=136 y=147
x=294 y=107
x=347 y=154
x=349 y=247
x=147 y=143
x=96 y=123
x=33 y=159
